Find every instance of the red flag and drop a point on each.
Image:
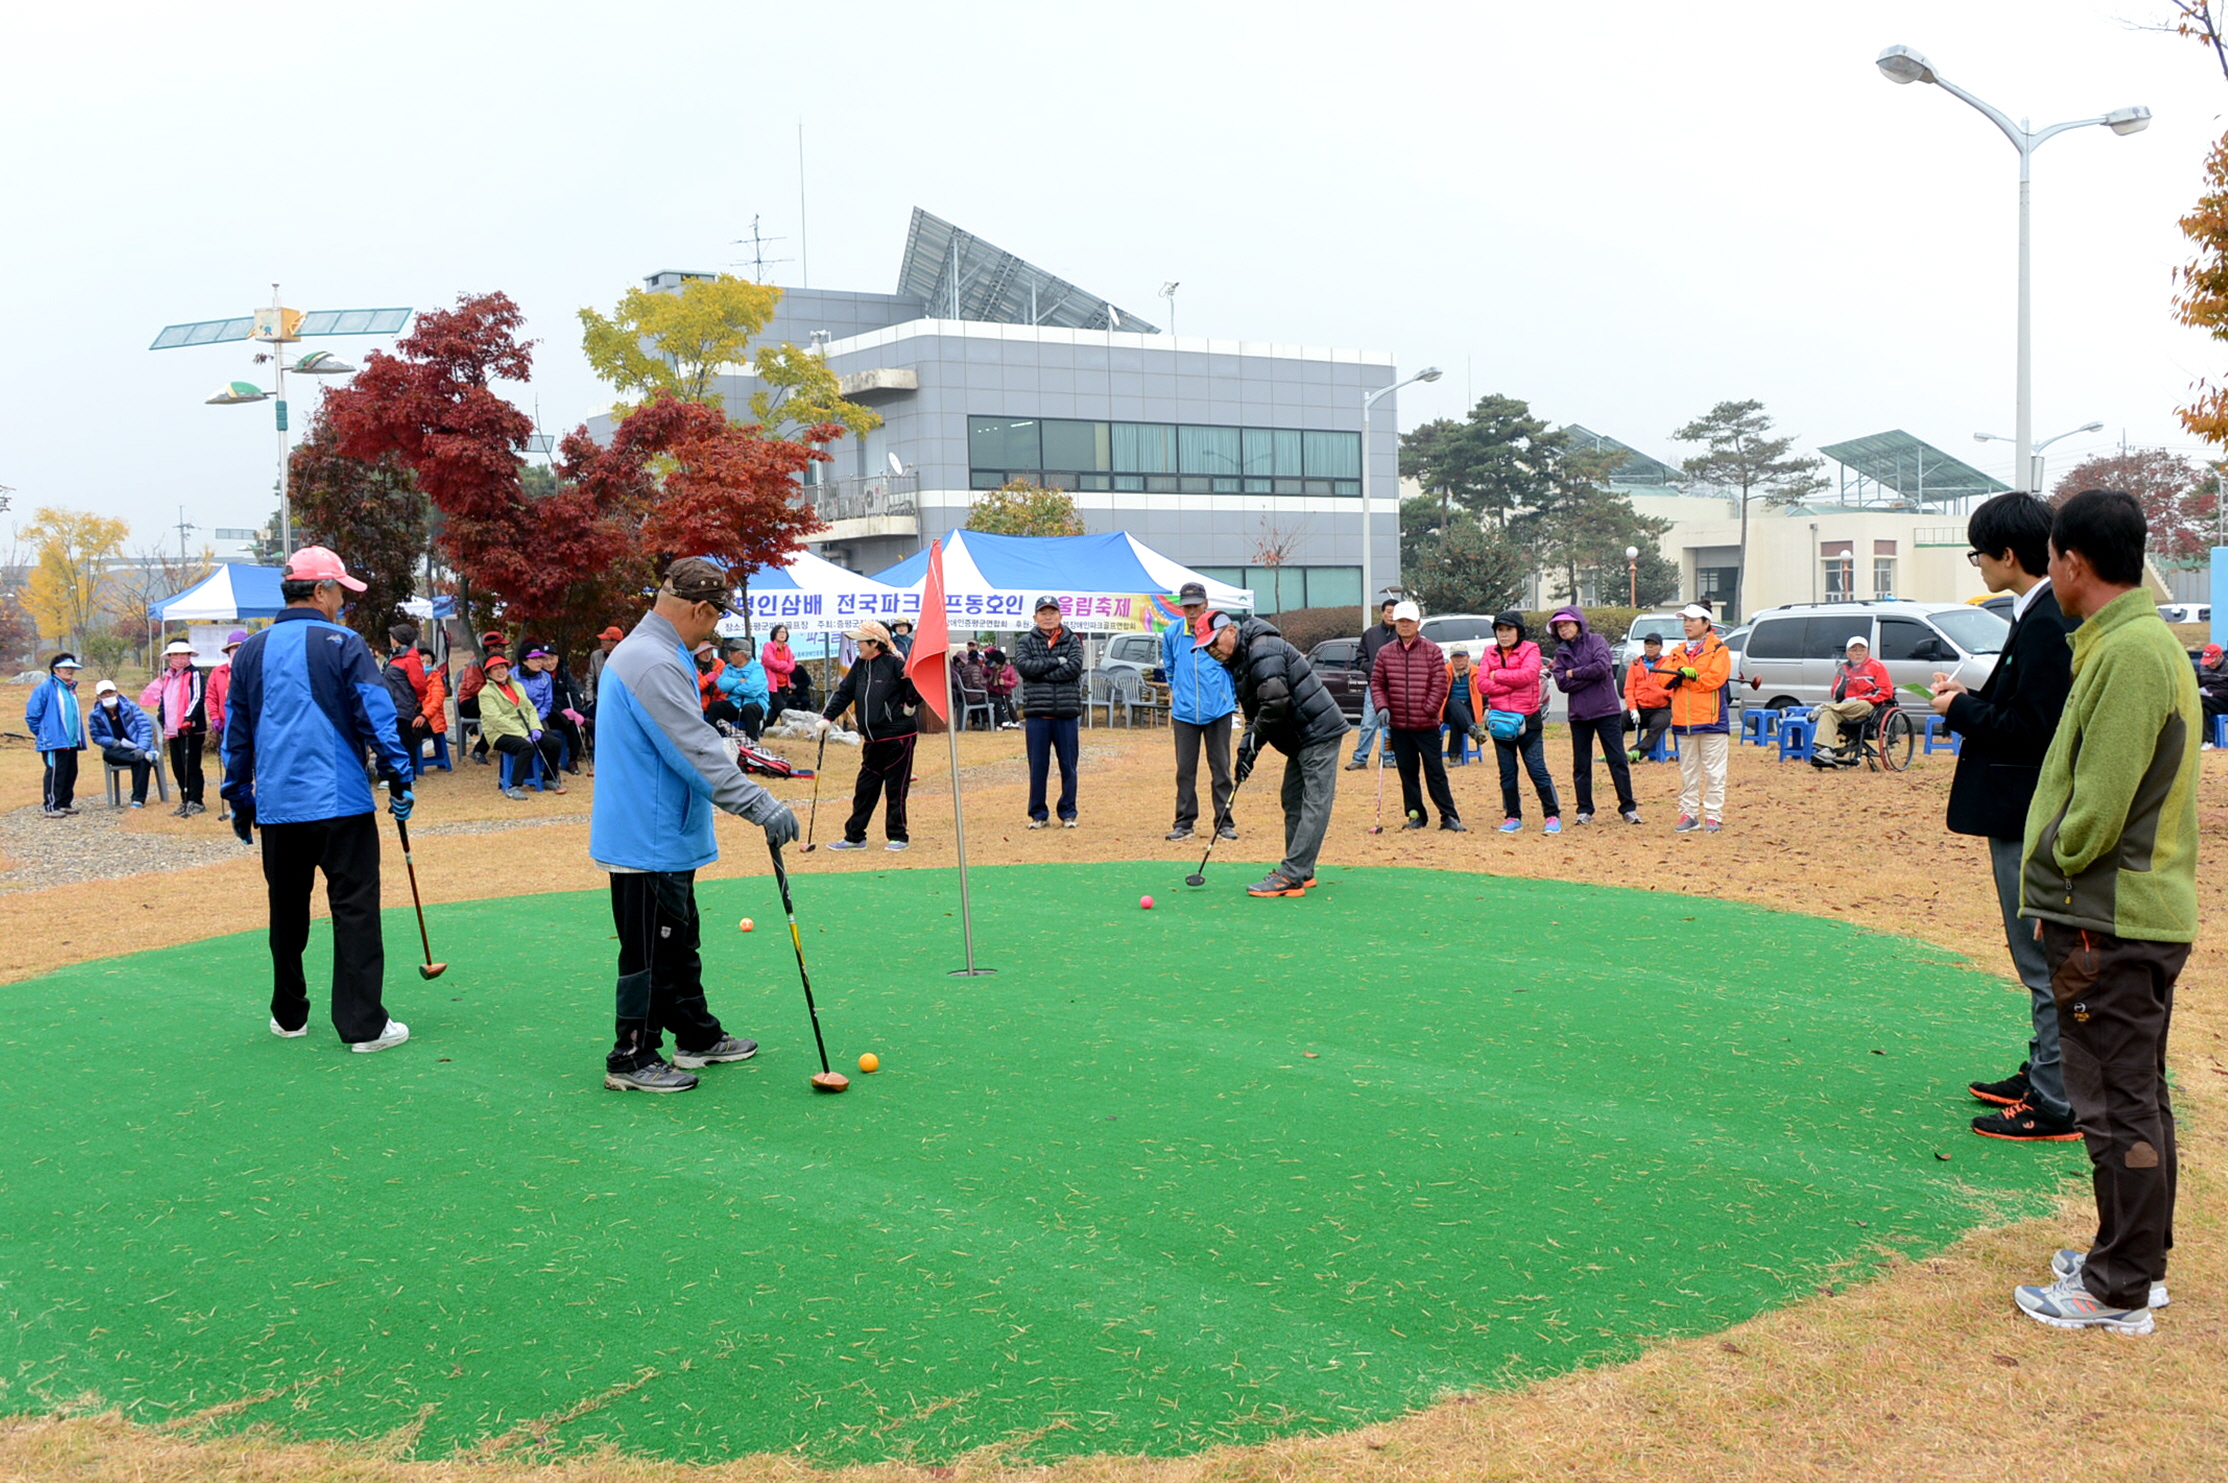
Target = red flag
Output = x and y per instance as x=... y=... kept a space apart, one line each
x=925 y=666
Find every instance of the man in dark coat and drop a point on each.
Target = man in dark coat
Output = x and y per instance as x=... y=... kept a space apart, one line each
x=1049 y=658
x=1285 y=707
x=886 y=705
x=2006 y=728
x=1408 y=687
x=1375 y=637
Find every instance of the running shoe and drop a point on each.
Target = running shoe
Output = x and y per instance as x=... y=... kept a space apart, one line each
x=846 y=844
x=1553 y=826
x=285 y=1034
x=2013 y=1088
x=2066 y=1304
x=726 y=1048
x=1510 y=826
x=2066 y=1265
x=655 y=1077
x=1276 y=883
x=2023 y=1122
x=1687 y=824
x=395 y=1033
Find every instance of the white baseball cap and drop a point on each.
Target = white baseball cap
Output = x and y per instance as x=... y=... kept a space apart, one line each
x=1857 y=641
x=1407 y=610
x=104 y=687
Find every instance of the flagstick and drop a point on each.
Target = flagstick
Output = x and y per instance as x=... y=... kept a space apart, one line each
x=959 y=825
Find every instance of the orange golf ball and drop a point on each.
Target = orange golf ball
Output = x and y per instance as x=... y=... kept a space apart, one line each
x=870 y=1062
x=748 y=925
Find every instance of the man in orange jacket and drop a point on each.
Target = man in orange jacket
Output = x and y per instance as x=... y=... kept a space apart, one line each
x=1861 y=684
x=1646 y=699
x=1695 y=672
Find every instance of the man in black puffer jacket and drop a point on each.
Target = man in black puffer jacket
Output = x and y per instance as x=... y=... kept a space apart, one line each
x=886 y=705
x=1285 y=707
x=1050 y=659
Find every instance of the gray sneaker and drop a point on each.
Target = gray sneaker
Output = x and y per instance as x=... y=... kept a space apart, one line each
x=285 y=1034
x=655 y=1077
x=2066 y=1266
x=395 y=1033
x=1179 y=833
x=899 y=844
x=726 y=1048
x=2066 y=1304
x=516 y=795
x=1226 y=832
x=846 y=844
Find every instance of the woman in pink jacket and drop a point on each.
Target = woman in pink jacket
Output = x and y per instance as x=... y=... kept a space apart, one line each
x=780 y=663
x=1510 y=678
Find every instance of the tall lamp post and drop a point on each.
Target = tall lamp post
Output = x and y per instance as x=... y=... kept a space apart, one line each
x=1632 y=576
x=2034 y=474
x=1902 y=65
x=1369 y=400
x=277 y=326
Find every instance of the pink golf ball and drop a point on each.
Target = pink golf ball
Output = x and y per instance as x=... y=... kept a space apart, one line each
x=1146 y=902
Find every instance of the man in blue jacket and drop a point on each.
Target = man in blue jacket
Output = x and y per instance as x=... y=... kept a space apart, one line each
x=661 y=774
x=125 y=736
x=57 y=729
x=306 y=703
x=1201 y=699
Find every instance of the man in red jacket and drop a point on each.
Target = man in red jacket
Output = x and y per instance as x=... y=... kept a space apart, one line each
x=1861 y=684
x=1408 y=683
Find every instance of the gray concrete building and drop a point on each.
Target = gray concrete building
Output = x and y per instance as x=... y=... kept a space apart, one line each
x=1241 y=458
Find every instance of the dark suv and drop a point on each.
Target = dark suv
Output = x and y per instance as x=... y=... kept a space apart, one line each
x=1337 y=664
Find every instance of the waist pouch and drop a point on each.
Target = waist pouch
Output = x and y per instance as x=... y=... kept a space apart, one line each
x=1505 y=725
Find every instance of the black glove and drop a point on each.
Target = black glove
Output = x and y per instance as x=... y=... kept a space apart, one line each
x=1249 y=747
x=243 y=818
x=782 y=828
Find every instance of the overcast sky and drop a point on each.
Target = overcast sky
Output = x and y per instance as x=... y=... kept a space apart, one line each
x=1622 y=212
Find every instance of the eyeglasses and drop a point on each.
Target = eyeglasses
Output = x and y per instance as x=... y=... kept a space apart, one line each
x=1972 y=558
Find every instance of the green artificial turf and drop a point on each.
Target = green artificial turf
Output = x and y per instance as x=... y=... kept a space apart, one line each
x=1103 y=1201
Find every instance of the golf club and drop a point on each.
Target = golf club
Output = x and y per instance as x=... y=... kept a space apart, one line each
x=819 y=766
x=826 y=1081
x=1379 y=826
x=1199 y=876
x=429 y=968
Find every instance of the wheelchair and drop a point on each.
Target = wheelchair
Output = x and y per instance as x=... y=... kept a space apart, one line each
x=1884 y=741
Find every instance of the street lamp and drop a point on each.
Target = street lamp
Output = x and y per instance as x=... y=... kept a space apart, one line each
x=1369 y=400
x=1900 y=64
x=2035 y=473
x=1632 y=576
x=1168 y=292
x=275 y=326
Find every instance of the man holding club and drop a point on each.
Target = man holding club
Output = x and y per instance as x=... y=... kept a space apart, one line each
x=305 y=704
x=661 y=772
x=1285 y=707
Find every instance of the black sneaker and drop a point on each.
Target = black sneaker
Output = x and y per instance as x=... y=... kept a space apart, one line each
x=1227 y=831
x=655 y=1077
x=2023 y=1122
x=2012 y=1089
x=1454 y=826
x=1416 y=821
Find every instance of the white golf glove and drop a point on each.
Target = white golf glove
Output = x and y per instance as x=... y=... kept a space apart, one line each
x=822 y=725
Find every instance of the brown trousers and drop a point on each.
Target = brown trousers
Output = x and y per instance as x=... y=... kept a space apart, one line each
x=2115 y=1005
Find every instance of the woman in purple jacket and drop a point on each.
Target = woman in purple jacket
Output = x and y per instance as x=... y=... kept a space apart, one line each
x=1586 y=671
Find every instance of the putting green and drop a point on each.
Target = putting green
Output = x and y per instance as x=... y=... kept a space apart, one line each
x=1222 y=1171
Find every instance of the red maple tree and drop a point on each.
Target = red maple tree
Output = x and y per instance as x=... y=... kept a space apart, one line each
x=431 y=406
x=2180 y=500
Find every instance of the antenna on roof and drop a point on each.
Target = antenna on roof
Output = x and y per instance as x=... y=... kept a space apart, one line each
x=757 y=258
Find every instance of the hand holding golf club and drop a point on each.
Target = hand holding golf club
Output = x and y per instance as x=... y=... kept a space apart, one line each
x=826 y=1080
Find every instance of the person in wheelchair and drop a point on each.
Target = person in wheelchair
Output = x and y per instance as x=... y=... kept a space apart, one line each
x=1861 y=687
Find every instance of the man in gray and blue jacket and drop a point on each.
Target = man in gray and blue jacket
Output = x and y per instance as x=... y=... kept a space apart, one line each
x=661 y=774
x=1201 y=699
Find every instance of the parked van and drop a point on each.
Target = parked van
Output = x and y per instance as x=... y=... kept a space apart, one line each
x=1792 y=651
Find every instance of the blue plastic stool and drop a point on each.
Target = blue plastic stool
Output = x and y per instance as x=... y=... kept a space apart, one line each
x=1796 y=733
x=1470 y=749
x=2219 y=728
x=1939 y=738
x=1665 y=749
x=440 y=753
x=1759 y=728
x=503 y=774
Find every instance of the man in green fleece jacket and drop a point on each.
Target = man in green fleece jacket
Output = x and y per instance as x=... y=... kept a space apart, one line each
x=2110 y=875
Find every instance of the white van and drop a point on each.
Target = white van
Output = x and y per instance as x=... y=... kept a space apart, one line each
x=1792 y=651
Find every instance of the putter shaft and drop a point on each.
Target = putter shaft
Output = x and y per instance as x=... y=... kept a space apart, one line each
x=796 y=941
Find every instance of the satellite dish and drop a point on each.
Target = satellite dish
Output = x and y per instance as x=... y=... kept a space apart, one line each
x=897 y=465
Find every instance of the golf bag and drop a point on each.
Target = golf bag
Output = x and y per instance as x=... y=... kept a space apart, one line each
x=767 y=764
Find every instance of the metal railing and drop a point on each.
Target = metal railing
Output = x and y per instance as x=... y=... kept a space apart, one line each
x=862 y=499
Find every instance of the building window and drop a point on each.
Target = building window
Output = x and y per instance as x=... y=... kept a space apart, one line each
x=1883 y=576
x=1163 y=458
x=1281 y=589
x=1840 y=561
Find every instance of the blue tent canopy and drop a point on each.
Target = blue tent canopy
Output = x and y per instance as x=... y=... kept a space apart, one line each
x=230 y=594
x=1112 y=562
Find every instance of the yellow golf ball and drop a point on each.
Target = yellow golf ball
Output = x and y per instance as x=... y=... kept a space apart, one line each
x=748 y=924
x=870 y=1062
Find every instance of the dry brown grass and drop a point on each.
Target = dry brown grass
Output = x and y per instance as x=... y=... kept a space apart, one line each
x=1924 y=1373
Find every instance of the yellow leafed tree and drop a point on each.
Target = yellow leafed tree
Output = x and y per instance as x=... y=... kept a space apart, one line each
x=679 y=342
x=72 y=550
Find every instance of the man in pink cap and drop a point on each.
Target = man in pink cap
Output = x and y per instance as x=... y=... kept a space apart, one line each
x=305 y=703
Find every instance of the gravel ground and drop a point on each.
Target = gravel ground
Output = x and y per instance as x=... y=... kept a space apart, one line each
x=95 y=846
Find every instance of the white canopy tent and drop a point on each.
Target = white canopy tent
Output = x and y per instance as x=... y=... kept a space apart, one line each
x=1112 y=583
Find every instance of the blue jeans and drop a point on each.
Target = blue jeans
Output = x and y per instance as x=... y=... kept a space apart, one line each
x=1532 y=750
x=1045 y=735
x=2046 y=1072
x=1373 y=721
